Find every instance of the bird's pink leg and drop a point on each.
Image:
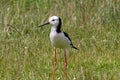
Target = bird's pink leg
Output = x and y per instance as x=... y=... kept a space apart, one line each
x=55 y=61
x=65 y=65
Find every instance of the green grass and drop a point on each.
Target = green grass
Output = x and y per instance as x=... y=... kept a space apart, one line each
x=26 y=52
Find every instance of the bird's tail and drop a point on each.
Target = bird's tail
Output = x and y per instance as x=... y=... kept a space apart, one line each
x=75 y=47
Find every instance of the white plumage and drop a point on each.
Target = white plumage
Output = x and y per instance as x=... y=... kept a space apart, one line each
x=59 y=40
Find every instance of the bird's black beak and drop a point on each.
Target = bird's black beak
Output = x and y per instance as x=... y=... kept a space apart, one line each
x=44 y=24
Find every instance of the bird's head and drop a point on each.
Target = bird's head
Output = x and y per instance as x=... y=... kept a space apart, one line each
x=53 y=21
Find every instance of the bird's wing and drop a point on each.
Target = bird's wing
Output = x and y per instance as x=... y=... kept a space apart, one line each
x=70 y=40
x=67 y=36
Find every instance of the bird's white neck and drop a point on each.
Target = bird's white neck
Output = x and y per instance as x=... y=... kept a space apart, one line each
x=56 y=29
x=53 y=28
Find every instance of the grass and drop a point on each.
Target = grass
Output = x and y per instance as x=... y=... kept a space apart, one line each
x=26 y=52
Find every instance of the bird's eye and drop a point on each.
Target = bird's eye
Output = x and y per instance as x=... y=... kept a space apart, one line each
x=53 y=20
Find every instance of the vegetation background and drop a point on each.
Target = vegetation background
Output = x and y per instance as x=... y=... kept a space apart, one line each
x=26 y=52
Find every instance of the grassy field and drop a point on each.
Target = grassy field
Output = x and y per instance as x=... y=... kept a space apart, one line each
x=27 y=54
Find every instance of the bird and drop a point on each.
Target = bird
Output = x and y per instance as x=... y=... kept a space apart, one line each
x=59 y=39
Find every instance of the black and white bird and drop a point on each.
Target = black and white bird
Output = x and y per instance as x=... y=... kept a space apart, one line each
x=59 y=39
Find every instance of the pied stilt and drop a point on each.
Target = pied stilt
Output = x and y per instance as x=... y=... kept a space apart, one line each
x=59 y=39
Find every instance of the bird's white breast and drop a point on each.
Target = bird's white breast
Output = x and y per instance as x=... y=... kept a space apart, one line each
x=59 y=40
